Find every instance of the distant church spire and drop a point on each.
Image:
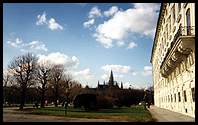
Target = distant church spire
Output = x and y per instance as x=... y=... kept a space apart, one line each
x=121 y=85
x=111 y=81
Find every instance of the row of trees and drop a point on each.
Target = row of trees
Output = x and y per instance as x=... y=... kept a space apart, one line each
x=25 y=72
x=109 y=98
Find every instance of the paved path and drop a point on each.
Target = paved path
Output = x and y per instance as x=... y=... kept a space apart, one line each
x=164 y=115
x=10 y=115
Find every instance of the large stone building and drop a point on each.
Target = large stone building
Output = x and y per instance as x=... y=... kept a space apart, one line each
x=173 y=58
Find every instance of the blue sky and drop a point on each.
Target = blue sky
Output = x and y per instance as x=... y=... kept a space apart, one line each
x=89 y=39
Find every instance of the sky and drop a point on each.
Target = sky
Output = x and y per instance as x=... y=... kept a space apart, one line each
x=90 y=39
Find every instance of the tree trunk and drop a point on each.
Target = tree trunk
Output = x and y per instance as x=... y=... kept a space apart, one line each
x=23 y=94
x=56 y=96
x=43 y=99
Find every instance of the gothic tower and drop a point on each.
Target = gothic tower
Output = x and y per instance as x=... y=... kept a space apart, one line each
x=111 y=81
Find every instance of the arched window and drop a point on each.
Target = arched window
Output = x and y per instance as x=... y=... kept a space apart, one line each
x=188 y=21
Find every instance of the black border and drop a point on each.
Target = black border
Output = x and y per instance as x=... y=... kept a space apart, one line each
x=88 y=1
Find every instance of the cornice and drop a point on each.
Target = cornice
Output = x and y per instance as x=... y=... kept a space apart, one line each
x=159 y=23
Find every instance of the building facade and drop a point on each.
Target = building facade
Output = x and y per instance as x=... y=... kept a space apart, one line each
x=173 y=58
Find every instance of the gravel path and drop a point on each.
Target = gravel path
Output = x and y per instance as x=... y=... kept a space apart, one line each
x=164 y=115
x=10 y=115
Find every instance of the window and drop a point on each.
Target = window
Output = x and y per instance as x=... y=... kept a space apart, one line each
x=175 y=97
x=185 y=98
x=171 y=98
x=188 y=21
x=193 y=94
x=179 y=97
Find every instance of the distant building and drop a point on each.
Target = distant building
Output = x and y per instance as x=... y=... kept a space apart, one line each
x=106 y=88
x=173 y=58
x=110 y=84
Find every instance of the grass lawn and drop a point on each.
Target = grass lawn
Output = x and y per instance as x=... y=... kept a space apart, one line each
x=133 y=113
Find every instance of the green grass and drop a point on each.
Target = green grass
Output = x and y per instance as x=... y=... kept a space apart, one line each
x=133 y=113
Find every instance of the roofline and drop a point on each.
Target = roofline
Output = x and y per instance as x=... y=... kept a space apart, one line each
x=163 y=5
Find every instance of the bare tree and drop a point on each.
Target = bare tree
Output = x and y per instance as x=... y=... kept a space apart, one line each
x=23 y=69
x=6 y=77
x=75 y=89
x=43 y=76
x=6 y=80
x=56 y=74
x=67 y=78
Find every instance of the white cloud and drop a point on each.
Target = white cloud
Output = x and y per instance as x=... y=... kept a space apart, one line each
x=60 y=58
x=16 y=44
x=131 y=85
x=86 y=74
x=140 y=19
x=106 y=42
x=153 y=6
x=111 y=11
x=120 y=43
x=94 y=12
x=131 y=45
x=104 y=76
x=147 y=71
x=31 y=46
x=53 y=25
x=117 y=68
x=36 y=45
x=41 y=19
x=88 y=23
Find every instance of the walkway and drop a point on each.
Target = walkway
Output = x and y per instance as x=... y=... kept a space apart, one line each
x=11 y=115
x=164 y=115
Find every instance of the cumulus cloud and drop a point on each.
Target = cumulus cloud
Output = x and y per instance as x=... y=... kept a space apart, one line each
x=111 y=11
x=140 y=19
x=131 y=85
x=33 y=46
x=51 y=23
x=131 y=45
x=147 y=70
x=88 y=23
x=41 y=19
x=94 y=12
x=117 y=68
x=16 y=43
x=36 y=45
x=106 y=42
x=104 y=76
x=86 y=73
x=60 y=58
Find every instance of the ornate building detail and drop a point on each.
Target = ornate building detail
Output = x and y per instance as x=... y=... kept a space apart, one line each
x=173 y=58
